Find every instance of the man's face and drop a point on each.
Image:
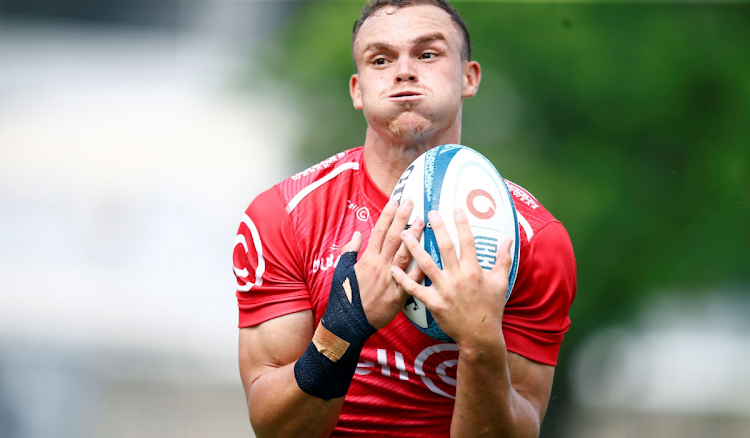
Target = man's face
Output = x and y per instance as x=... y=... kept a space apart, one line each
x=411 y=78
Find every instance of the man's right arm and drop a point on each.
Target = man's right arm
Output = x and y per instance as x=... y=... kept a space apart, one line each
x=276 y=353
x=277 y=406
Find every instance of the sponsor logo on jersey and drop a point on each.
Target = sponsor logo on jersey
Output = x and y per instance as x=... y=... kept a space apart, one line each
x=522 y=195
x=436 y=360
x=485 y=213
x=328 y=162
x=363 y=213
x=327 y=262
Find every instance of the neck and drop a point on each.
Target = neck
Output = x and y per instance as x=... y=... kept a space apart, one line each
x=387 y=158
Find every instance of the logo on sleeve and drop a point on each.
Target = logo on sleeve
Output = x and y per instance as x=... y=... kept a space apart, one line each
x=245 y=257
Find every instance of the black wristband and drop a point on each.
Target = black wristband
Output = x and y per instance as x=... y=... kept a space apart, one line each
x=327 y=367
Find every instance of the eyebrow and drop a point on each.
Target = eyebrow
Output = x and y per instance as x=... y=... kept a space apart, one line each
x=424 y=39
x=430 y=37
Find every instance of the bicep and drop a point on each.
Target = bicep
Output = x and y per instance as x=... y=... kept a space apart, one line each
x=273 y=344
x=532 y=381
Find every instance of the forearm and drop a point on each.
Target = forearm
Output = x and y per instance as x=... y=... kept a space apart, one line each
x=279 y=408
x=487 y=405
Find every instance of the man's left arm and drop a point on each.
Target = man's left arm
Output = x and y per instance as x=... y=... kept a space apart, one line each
x=498 y=393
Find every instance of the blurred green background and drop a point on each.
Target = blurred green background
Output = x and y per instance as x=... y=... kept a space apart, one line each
x=134 y=133
x=629 y=122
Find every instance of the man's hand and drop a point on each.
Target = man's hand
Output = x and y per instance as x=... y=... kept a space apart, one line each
x=381 y=296
x=498 y=393
x=466 y=301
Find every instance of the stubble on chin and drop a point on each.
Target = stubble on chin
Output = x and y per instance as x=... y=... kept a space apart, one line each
x=409 y=124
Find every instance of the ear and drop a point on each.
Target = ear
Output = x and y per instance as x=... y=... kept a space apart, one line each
x=472 y=76
x=355 y=91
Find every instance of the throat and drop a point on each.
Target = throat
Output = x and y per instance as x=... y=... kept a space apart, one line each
x=385 y=166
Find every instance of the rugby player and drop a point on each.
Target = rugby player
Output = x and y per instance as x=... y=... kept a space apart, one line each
x=325 y=356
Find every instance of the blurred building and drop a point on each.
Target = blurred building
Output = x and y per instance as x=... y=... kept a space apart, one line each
x=678 y=370
x=127 y=156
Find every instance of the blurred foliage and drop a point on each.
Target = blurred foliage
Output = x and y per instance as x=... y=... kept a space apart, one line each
x=629 y=122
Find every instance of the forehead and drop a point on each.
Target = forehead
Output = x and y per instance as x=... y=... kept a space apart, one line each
x=401 y=26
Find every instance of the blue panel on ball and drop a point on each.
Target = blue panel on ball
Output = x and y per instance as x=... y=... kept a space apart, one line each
x=444 y=156
x=436 y=162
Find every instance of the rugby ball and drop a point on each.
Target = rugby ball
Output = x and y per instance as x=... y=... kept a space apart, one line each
x=442 y=179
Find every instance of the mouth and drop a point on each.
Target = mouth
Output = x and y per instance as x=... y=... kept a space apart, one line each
x=405 y=95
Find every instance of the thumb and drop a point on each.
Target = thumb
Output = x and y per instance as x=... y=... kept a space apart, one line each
x=354 y=244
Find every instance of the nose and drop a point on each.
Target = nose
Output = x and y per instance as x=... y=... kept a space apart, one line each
x=406 y=71
x=406 y=77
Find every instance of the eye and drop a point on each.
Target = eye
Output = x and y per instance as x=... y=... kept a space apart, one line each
x=379 y=61
x=428 y=55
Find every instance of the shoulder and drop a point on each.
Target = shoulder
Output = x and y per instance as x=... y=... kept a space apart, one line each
x=536 y=315
x=532 y=215
x=272 y=215
x=546 y=253
x=296 y=188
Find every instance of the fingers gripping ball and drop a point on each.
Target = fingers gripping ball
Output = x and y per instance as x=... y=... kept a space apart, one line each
x=451 y=176
x=326 y=368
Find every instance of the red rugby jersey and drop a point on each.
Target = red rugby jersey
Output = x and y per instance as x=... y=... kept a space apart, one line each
x=287 y=248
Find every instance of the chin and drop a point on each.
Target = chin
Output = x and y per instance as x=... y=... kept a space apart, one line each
x=410 y=125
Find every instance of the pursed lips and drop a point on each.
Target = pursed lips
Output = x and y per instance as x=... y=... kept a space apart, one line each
x=405 y=95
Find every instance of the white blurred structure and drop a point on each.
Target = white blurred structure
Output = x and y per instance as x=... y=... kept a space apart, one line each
x=679 y=370
x=126 y=161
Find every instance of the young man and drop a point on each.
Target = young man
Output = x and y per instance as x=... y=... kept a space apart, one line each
x=324 y=356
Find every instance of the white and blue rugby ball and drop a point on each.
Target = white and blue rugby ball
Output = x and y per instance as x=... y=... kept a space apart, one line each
x=442 y=179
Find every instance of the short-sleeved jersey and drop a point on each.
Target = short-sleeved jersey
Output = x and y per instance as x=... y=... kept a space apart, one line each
x=287 y=248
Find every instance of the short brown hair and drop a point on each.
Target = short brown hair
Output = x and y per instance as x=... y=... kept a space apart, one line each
x=373 y=6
